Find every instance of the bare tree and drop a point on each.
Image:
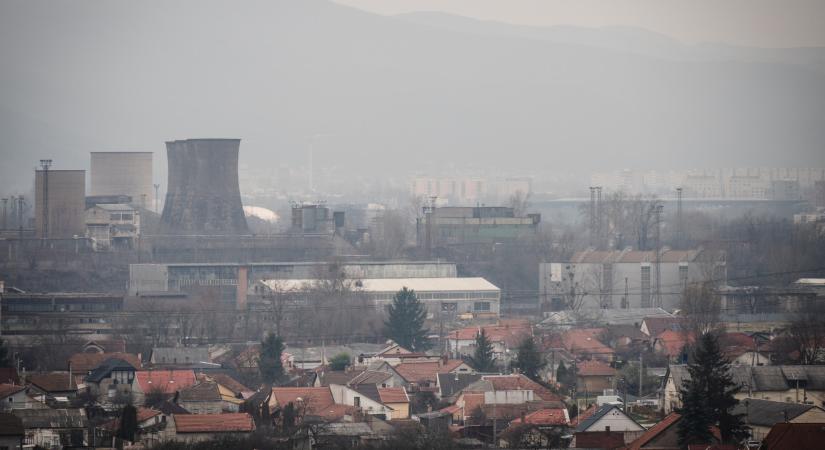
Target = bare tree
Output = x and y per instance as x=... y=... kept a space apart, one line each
x=520 y=202
x=701 y=306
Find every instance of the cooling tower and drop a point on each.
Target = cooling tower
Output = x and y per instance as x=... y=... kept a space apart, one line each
x=123 y=173
x=203 y=197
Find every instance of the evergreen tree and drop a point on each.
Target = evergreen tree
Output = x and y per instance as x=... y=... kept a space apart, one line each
x=482 y=358
x=339 y=361
x=708 y=397
x=529 y=359
x=405 y=324
x=128 y=423
x=269 y=363
x=5 y=360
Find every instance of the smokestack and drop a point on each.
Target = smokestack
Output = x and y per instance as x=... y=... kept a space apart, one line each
x=203 y=196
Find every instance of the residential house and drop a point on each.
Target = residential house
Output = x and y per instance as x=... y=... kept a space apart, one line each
x=594 y=376
x=111 y=380
x=503 y=337
x=673 y=344
x=16 y=397
x=182 y=358
x=81 y=364
x=12 y=433
x=762 y=415
x=151 y=427
x=233 y=393
x=609 y=418
x=518 y=391
x=796 y=436
x=420 y=375
x=742 y=349
x=789 y=384
x=395 y=354
x=312 y=401
x=113 y=345
x=624 y=337
x=366 y=398
x=378 y=378
x=585 y=343
x=54 y=384
x=533 y=428
x=161 y=382
x=451 y=384
x=203 y=427
x=397 y=399
x=201 y=398
x=54 y=428
x=654 y=326
x=664 y=436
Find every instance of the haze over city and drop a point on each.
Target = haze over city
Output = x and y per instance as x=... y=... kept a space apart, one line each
x=412 y=224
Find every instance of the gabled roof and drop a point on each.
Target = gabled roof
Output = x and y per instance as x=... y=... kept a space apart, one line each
x=656 y=325
x=426 y=371
x=795 y=436
x=546 y=417
x=143 y=414
x=585 y=340
x=585 y=423
x=226 y=381
x=452 y=383
x=10 y=389
x=393 y=395
x=214 y=423
x=52 y=418
x=368 y=390
x=84 y=363
x=370 y=377
x=654 y=431
x=673 y=342
x=594 y=368
x=205 y=391
x=328 y=377
x=107 y=367
x=520 y=382
x=765 y=378
x=53 y=382
x=767 y=413
x=509 y=334
x=180 y=355
x=168 y=381
x=316 y=399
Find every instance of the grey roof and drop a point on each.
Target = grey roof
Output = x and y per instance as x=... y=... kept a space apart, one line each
x=368 y=390
x=765 y=378
x=370 y=377
x=479 y=386
x=450 y=384
x=767 y=413
x=633 y=316
x=107 y=367
x=346 y=429
x=179 y=355
x=52 y=418
x=115 y=206
x=206 y=391
x=338 y=376
x=317 y=353
x=588 y=422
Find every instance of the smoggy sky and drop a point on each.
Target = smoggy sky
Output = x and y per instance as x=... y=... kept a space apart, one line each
x=761 y=23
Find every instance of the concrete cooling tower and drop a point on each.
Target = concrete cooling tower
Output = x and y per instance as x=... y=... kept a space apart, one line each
x=203 y=196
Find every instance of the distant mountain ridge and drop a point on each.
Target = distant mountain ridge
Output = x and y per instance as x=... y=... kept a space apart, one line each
x=392 y=94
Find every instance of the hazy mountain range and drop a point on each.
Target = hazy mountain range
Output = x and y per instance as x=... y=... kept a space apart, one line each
x=391 y=94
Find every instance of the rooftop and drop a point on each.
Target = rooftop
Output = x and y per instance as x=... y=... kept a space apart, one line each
x=396 y=284
x=546 y=416
x=169 y=381
x=85 y=362
x=214 y=423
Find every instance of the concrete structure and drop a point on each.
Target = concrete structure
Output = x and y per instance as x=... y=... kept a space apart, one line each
x=64 y=197
x=311 y=218
x=472 y=225
x=59 y=313
x=626 y=279
x=440 y=295
x=203 y=195
x=113 y=226
x=123 y=173
x=230 y=278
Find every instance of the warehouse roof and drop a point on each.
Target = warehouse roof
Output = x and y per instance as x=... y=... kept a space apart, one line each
x=396 y=284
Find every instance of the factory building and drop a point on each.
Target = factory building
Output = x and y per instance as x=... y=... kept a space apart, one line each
x=442 y=296
x=472 y=225
x=123 y=173
x=60 y=199
x=232 y=279
x=113 y=226
x=203 y=197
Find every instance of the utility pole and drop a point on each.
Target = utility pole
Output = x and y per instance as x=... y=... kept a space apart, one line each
x=657 y=211
x=599 y=219
x=592 y=216
x=20 y=216
x=625 y=299
x=679 y=226
x=5 y=202
x=45 y=164
x=641 y=372
x=157 y=202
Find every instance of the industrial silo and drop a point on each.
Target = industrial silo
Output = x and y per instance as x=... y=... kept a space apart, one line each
x=59 y=203
x=123 y=173
x=203 y=196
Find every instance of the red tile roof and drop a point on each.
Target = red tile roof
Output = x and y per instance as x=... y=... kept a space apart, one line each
x=82 y=363
x=607 y=440
x=672 y=342
x=393 y=395
x=656 y=325
x=10 y=389
x=9 y=375
x=315 y=398
x=53 y=382
x=169 y=381
x=143 y=414
x=654 y=431
x=594 y=368
x=214 y=423
x=586 y=341
x=226 y=381
x=510 y=334
x=520 y=382
x=471 y=402
x=795 y=436
x=426 y=371
x=547 y=417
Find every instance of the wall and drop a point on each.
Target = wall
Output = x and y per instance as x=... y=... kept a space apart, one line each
x=512 y=397
x=66 y=203
x=617 y=421
x=123 y=173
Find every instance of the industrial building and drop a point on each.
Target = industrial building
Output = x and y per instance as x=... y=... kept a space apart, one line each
x=472 y=225
x=442 y=296
x=203 y=197
x=231 y=280
x=113 y=226
x=59 y=313
x=60 y=199
x=123 y=173
x=626 y=278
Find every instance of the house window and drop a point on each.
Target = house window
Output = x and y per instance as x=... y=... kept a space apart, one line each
x=482 y=306
x=357 y=402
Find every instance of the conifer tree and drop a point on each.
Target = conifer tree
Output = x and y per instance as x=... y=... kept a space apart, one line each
x=529 y=359
x=269 y=364
x=405 y=323
x=708 y=397
x=482 y=358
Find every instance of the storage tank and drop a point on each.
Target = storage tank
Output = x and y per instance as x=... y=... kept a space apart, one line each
x=203 y=196
x=123 y=173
